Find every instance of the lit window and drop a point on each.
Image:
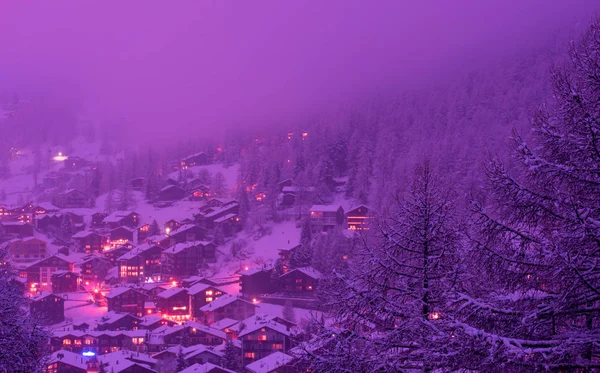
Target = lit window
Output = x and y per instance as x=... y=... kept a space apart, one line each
x=262 y=337
x=249 y=355
x=66 y=341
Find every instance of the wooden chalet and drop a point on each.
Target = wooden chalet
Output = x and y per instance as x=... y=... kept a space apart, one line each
x=65 y=282
x=70 y=198
x=324 y=218
x=125 y=299
x=122 y=219
x=90 y=241
x=227 y=306
x=357 y=218
x=185 y=259
x=255 y=282
x=301 y=281
x=171 y=193
x=48 y=308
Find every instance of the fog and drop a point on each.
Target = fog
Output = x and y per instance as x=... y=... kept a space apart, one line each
x=166 y=70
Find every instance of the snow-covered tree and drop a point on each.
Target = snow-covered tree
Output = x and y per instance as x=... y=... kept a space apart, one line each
x=231 y=357
x=538 y=233
x=181 y=363
x=393 y=303
x=288 y=311
x=24 y=340
x=154 y=229
x=219 y=187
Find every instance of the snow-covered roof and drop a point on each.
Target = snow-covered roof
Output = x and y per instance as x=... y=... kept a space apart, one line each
x=182 y=246
x=260 y=321
x=68 y=357
x=205 y=368
x=325 y=208
x=269 y=363
x=83 y=234
x=170 y=186
x=197 y=349
x=224 y=323
x=118 y=291
x=198 y=287
x=309 y=271
x=296 y=189
x=136 y=251
x=149 y=320
x=117 y=216
x=206 y=329
x=252 y=271
x=43 y=295
x=221 y=209
x=122 y=227
x=221 y=301
x=171 y=292
x=112 y=316
x=182 y=228
x=224 y=218
x=121 y=355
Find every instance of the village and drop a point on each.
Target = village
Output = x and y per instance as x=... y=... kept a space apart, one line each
x=156 y=289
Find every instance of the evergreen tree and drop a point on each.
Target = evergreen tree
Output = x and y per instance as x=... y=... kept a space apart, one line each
x=305 y=232
x=219 y=186
x=181 y=363
x=66 y=227
x=231 y=358
x=154 y=229
x=102 y=368
x=244 y=210
x=110 y=202
x=288 y=311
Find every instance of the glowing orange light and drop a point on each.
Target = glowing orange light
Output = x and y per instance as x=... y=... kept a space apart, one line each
x=87 y=283
x=246 y=268
x=96 y=291
x=434 y=315
x=254 y=300
x=174 y=283
x=149 y=312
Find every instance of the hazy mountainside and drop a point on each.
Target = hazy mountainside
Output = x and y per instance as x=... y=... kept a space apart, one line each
x=457 y=125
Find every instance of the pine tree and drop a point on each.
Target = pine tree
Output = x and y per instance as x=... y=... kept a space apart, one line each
x=181 y=363
x=102 y=368
x=154 y=229
x=110 y=202
x=231 y=358
x=219 y=186
x=66 y=227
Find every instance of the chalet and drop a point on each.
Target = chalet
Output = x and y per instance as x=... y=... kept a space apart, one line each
x=197 y=334
x=154 y=321
x=120 y=235
x=124 y=299
x=74 y=163
x=48 y=308
x=229 y=224
x=184 y=259
x=171 y=181
x=200 y=295
x=198 y=159
x=152 y=289
x=141 y=264
x=271 y=363
x=174 y=304
x=206 y=368
x=199 y=193
x=39 y=274
x=324 y=218
x=94 y=268
x=27 y=249
x=118 y=321
x=263 y=335
x=285 y=254
x=90 y=242
x=124 y=361
x=200 y=354
x=122 y=218
x=17 y=229
x=70 y=198
x=301 y=281
x=193 y=280
x=227 y=306
x=231 y=327
x=142 y=232
x=63 y=361
x=99 y=342
x=113 y=254
x=255 y=282
x=290 y=194
x=357 y=218
x=98 y=219
x=65 y=282
x=171 y=193
x=138 y=183
x=216 y=209
x=172 y=225
x=186 y=233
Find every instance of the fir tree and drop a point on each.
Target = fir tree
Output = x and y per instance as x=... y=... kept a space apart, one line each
x=231 y=358
x=102 y=368
x=154 y=229
x=181 y=363
x=219 y=186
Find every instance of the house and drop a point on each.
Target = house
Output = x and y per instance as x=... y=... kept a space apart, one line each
x=17 y=229
x=39 y=274
x=174 y=303
x=358 y=218
x=90 y=242
x=184 y=259
x=214 y=210
x=98 y=219
x=124 y=361
x=198 y=159
x=171 y=193
x=227 y=306
x=118 y=321
x=186 y=233
x=94 y=268
x=199 y=193
x=113 y=254
x=138 y=183
x=301 y=281
x=193 y=332
x=200 y=354
x=171 y=226
x=125 y=299
x=122 y=218
x=27 y=249
x=152 y=322
x=255 y=282
x=63 y=361
x=275 y=362
x=290 y=194
x=65 y=282
x=70 y=198
x=228 y=225
x=263 y=335
x=48 y=308
x=285 y=183
x=324 y=218
x=121 y=235
x=231 y=328
x=193 y=280
x=141 y=264
x=99 y=342
x=285 y=254
x=201 y=294
x=152 y=289
x=142 y=232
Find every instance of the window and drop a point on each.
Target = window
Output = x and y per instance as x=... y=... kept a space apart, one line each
x=298 y=280
x=277 y=346
x=66 y=341
x=249 y=355
x=262 y=337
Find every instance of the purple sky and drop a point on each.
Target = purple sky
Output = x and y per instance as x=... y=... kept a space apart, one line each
x=206 y=64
